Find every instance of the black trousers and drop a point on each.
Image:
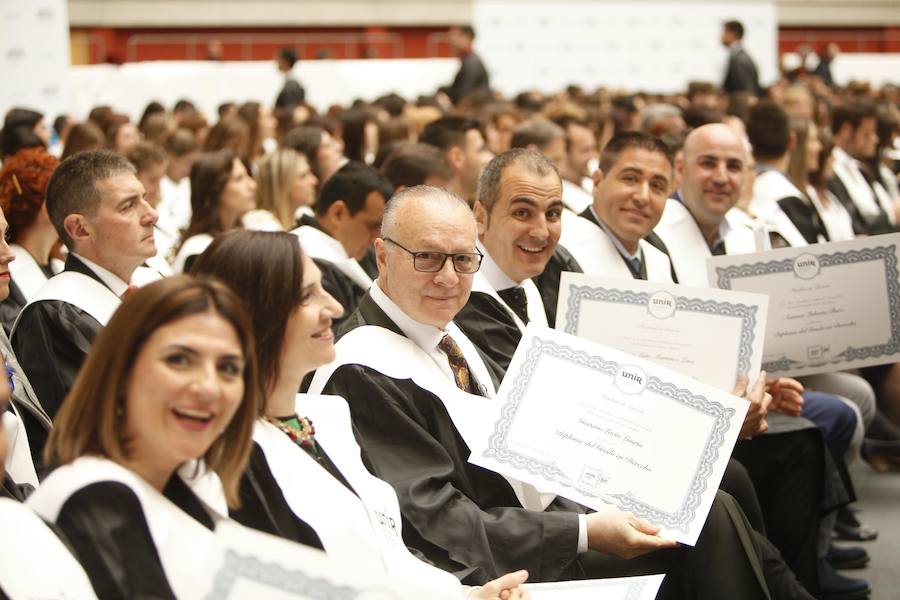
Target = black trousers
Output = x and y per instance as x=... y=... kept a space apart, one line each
x=786 y=470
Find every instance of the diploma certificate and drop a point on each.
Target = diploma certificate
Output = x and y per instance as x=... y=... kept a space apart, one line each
x=710 y=334
x=832 y=306
x=619 y=588
x=255 y=565
x=599 y=426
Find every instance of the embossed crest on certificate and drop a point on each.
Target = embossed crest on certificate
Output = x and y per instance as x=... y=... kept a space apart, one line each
x=832 y=306
x=713 y=335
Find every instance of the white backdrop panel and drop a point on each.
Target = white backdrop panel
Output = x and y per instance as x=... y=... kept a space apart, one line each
x=130 y=87
x=34 y=55
x=652 y=46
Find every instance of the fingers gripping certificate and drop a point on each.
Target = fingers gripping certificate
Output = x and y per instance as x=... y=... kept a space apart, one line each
x=831 y=306
x=713 y=335
x=599 y=426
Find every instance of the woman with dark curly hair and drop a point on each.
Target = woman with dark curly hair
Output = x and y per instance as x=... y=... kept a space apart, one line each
x=23 y=183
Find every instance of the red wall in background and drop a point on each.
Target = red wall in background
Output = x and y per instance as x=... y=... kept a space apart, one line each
x=857 y=39
x=261 y=43
x=112 y=45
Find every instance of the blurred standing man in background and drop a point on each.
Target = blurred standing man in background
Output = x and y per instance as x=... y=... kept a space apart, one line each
x=472 y=76
x=741 y=75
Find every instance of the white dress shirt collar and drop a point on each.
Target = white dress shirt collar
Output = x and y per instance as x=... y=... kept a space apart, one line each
x=620 y=248
x=496 y=277
x=424 y=336
x=111 y=280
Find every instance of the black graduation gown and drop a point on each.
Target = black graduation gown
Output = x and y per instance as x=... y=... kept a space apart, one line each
x=51 y=342
x=264 y=508
x=11 y=307
x=15 y=302
x=805 y=218
x=342 y=288
x=109 y=535
x=462 y=516
x=861 y=226
x=548 y=282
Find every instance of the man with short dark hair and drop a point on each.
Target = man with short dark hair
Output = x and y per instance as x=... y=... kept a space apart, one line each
x=630 y=191
x=519 y=216
x=461 y=139
x=581 y=149
x=741 y=75
x=99 y=210
x=854 y=126
x=543 y=135
x=472 y=76
x=347 y=220
x=412 y=164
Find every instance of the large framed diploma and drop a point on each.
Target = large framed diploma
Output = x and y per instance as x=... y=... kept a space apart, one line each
x=713 y=335
x=831 y=306
x=617 y=588
x=600 y=426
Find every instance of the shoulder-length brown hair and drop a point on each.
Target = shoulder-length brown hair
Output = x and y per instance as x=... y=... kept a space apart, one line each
x=265 y=270
x=210 y=173
x=89 y=421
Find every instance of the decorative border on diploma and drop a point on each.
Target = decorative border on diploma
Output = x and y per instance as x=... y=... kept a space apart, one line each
x=498 y=446
x=747 y=314
x=237 y=567
x=888 y=254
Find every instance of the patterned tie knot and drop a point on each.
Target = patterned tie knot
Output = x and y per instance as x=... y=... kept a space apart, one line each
x=457 y=361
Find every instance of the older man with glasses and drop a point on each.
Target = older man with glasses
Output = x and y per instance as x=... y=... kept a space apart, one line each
x=414 y=382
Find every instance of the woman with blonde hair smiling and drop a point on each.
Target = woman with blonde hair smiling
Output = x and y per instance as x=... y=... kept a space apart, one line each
x=285 y=185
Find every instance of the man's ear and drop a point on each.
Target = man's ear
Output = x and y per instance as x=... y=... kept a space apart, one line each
x=597 y=177
x=338 y=211
x=481 y=218
x=679 y=164
x=792 y=141
x=380 y=255
x=456 y=158
x=77 y=229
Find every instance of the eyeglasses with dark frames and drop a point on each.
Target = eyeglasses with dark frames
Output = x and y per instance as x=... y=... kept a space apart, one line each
x=432 y=261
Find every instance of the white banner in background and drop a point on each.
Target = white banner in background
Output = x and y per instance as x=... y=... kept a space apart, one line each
x=652 y=46
x=34 y=56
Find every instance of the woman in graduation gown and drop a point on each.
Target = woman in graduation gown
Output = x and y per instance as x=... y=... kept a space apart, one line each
x=31 y=548
x=222 y=192
x=308 y=483
x=23 y=184
x=170 y=379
